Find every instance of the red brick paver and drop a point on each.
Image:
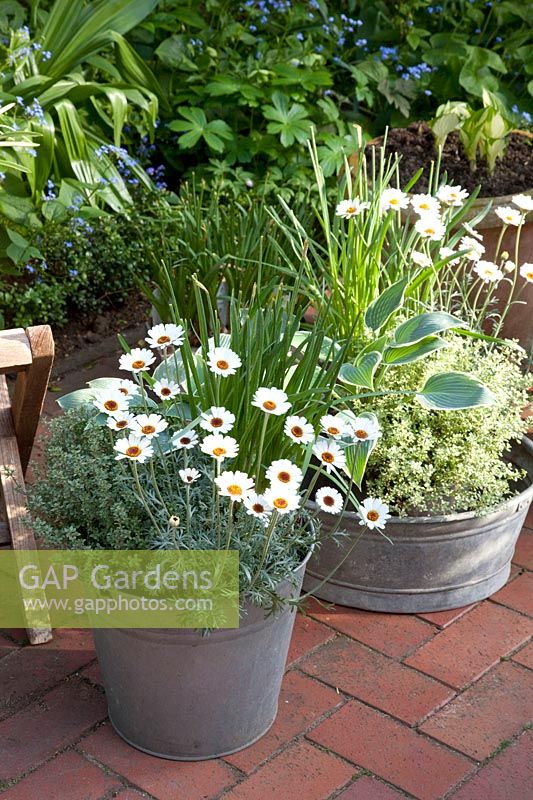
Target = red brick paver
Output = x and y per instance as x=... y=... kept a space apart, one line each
x=518 y=594
x=467 y=649
x=392 y=751
x=61 y=716
x=367 y=788
x=525 y=656
x=69 y=775
x=509 y=776
x=166 y=780
x=394 y=634
x=301 y=771
x=492 y=710
x=524 y=550
x=307 y=635
x=444 y=618
x=377 y=680
x=302 y=702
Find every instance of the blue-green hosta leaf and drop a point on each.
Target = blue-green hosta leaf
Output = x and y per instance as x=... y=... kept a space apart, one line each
x=171 y=369
x=357 y=455
x=424 y=325
x=406 y=353
x=362 y=372
x=448 y=391
x=81 y=397
x=328 y=348
x=103 y=383
x=384 y=306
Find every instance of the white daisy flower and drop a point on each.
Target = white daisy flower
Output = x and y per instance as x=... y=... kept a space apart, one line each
x=236 y=485
x=374 y=513
x=136 y=448
x=189 y=474
x=272 y=401
x=256 y=505
x=223 y=361
x=165 y=390
x=420 y=259
x=509 y=215
x=472 y=231
x=128 y=388
x=184 y=440
x=526 y=271
x=393 y=200
x=523 y=201
x=425 y=204
x=219 y=447
x=330 y=455
x=136 y=360
x=161 y=336
x=109 y=401
x=282 y=499
x=299 y=429
x=351 y=208
x=488 y=271
x=217 y=419
x=334 y=426
x=452 y=195
x=430 y=227
x=447 y=252
x=285 y=472
x=119 y=421
x=329 y=500
x=148 y=425
x=364 y=429
x=474 y=248
x=509 y=266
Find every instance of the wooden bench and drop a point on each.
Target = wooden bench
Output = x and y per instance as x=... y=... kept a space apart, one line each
x=28 y=353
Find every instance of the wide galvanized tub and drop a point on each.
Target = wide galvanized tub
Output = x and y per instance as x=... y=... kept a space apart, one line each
x=434 y=563
x=185 y=696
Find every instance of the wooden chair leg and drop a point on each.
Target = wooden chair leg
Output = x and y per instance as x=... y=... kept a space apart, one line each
x=30 y=390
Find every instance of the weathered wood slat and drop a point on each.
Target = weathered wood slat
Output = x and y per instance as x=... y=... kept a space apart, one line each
x=15 y=350
x=30 y=390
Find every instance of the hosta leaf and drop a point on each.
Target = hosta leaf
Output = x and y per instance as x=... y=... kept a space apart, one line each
x=406 y=353
x=362 y=372
x=424 y=325
x=386 y=304
x=81 y=397
x=357 y=455
x=454 y=390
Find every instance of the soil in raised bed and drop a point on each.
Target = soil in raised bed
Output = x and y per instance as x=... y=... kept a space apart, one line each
x=81 y=331
x=416 y=145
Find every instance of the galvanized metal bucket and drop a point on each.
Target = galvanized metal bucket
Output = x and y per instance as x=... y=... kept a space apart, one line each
x=434 y=563
x=185 y=696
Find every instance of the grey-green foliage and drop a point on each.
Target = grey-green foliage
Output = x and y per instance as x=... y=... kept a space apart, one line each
x=82 y=497
x=448 y=461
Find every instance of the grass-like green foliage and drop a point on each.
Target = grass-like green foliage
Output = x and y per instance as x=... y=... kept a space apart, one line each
x=438 y=462
x=81 y=498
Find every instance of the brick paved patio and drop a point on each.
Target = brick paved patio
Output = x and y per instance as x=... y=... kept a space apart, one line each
x=374 y=707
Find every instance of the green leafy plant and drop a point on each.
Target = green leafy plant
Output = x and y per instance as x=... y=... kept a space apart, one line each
x=431 y=462
x=483 y=132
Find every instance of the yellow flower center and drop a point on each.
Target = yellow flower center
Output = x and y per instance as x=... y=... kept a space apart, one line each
x=430 y=231
x=221 y=364
x=393 y=201
x=280 y=502
x=529 y=276
x=138 y=364
x=373 y=516
x=133 y=451
x=185 y=440
x=219 y=451
x=351 y=210
x=258 y=508
x=361 y=434
x=122 y=423
x=123 y=390
x=297 y=431
x=216 y=422
x=163 y=340
x=111 y=405
x=269 y=405
x=165 y=391
x=148 y=429
x=328 y=457
x=424 y=205
x=333 y=431
x=234 y=489
x=284 y=477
